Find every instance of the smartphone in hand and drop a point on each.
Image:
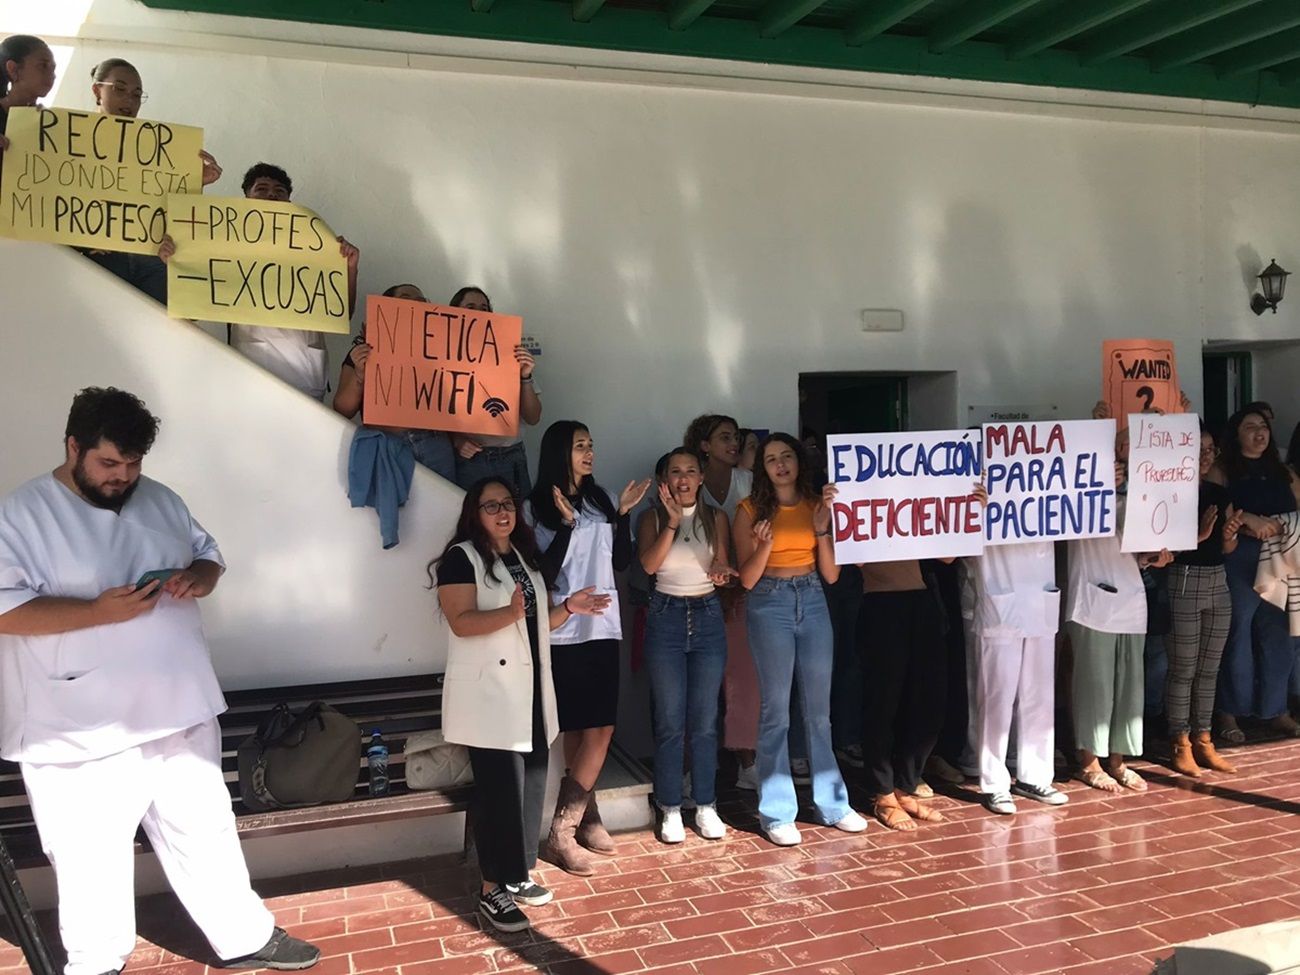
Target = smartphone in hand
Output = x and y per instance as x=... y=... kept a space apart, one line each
x=159 y=575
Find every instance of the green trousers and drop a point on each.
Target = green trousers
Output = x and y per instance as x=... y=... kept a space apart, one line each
x=1108 y=691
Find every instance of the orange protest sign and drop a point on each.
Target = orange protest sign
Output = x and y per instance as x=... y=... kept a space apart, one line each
x=438 y=368
x=1139 y=376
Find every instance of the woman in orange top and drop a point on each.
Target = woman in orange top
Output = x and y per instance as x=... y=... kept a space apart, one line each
x=783 y=539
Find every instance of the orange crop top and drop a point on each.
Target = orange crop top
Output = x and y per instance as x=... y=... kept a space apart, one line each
x=794 y=545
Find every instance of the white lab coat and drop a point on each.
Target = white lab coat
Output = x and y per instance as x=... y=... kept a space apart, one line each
x=115 y=725
x=87 y=694
x=1013 y=605
x=295 y=355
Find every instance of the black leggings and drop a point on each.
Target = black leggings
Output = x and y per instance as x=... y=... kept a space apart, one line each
x=904 y=660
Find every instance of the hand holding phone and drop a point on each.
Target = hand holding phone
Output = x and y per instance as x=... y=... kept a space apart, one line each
x=157 y=575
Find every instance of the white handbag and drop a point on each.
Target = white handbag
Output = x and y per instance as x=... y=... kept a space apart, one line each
x=431 y=763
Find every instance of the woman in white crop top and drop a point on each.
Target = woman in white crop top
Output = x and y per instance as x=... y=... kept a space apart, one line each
x=683 y=542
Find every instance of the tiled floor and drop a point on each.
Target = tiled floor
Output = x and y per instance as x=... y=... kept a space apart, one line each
x=1102 y=886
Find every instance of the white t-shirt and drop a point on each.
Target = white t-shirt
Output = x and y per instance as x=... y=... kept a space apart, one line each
x=292 y=354
x=1011 y=591
x=742 y=483
x=89 y=693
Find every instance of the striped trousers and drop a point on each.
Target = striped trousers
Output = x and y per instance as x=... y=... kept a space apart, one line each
x=1201 y=611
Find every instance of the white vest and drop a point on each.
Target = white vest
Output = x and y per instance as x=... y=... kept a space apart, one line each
x=487 y=694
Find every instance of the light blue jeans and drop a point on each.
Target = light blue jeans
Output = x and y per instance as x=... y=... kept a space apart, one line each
x=433 y=450
x=685 y=654
x=789 y=634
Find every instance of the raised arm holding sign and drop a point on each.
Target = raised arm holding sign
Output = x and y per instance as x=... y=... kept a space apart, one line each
x=97 y=181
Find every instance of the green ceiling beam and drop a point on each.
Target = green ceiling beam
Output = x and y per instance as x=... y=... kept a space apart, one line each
x=976 y=16
x=1055 y=26
x=683 y=13
x=1148 y=28
x=1278 y=49
x=877 y=17
x=1262 y=21
x=584 y=10
x=780 y=15
x=481 y=6
x=644 y=29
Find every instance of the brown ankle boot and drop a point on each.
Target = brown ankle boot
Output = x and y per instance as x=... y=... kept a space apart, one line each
x=1203 y=750
x=562 y=848
x=1183 y=760
x=591 y=831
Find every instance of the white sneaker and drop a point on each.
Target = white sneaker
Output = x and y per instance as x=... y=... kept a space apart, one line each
x=709 y=824
x=852 y=823
x=687 y=801
x=1040 y=793
x=671 y=829
x=747 y=778
x=1000 y=803
x=787 y=834
x=799 y=771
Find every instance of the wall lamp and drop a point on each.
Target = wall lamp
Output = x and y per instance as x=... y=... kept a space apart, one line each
x=1273 y=281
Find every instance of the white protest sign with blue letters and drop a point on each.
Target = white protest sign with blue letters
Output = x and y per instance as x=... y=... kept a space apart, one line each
x=1049 y=481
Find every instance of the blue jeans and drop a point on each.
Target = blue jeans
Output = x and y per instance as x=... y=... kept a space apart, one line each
x=1155 y=655
x=789 y=634
x=434 y=451
x=1255 y=672
x=144 y=272
x=685 y=655
x=508 y=463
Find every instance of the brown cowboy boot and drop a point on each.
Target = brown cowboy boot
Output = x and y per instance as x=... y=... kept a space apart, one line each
x=562 y=848
x=1206 y=756
x=591 y=831
x=1183 y=760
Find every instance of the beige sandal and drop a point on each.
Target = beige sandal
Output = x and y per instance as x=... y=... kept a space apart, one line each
x=1100 y=779
x=1130 y=779
x=891 y=814
x=916 y=810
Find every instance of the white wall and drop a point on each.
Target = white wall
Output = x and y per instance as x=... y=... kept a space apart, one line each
x=681 y=243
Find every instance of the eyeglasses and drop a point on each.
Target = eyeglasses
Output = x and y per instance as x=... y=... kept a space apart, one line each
x=123 y=89
x=496 y=507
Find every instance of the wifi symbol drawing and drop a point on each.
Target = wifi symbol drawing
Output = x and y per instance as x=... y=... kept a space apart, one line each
x=495 y=406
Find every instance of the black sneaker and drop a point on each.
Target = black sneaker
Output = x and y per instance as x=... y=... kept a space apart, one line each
x=282 y=954
x=499 y=907
x=1041 y=793
x=529 y=894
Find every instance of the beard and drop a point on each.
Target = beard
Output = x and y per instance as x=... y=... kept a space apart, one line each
x=93 y=493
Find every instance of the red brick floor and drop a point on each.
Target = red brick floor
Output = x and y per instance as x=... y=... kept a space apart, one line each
x=1103 y=886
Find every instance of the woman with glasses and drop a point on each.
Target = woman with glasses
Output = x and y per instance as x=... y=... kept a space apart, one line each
x=497 y=697
x=1201 y=612
x=1258 y=657
x=585 y=536
x=118 y=91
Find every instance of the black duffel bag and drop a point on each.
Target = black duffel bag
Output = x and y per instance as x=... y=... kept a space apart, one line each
x=303 y=759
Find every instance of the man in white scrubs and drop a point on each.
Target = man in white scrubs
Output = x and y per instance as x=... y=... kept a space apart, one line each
x=295 y=355
x=109 y=699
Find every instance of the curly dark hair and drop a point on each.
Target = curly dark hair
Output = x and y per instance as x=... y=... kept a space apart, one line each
x=469 y=528
x=113 y=415
x=703 y=427
x=763 y=494
x=1233 y=461
x=270 y=171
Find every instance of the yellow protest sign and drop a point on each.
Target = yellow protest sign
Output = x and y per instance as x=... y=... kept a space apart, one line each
x=98 y=181
x=255 y=262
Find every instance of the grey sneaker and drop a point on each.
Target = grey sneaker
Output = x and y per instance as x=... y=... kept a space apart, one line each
x=499 y=908
x=1000 y=803
x=529 y=894
x=282 y=954
x=1041 y=793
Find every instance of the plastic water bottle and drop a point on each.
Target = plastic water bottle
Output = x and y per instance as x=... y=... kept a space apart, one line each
x=377 y=759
